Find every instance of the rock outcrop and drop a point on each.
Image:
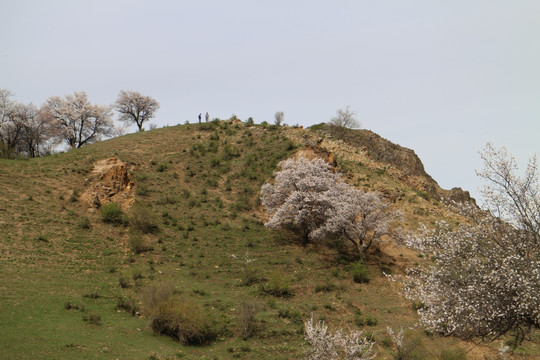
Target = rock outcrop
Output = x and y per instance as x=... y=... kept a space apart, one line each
x=377 y=154
x=109 y=181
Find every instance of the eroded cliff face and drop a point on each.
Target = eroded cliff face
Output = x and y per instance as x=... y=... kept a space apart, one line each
x=377 y=153
x=109 y=182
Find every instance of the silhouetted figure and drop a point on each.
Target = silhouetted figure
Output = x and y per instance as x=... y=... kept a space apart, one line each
x=207 y=117
x=200 y=117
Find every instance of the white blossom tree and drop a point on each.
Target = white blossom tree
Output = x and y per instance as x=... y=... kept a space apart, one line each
x=14 y=119
x=135 y=108
x=310 y=200
x=22 y=130
x=79 y=121
x=485 y=278
x=5 y=104
x=332 y=346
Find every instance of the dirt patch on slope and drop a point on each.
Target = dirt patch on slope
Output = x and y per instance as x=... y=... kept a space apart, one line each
x=109 y=182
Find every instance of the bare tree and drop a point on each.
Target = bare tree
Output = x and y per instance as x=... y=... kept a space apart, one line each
x=279 y=117
x=135 y=108
x=312 y=201
x=485 y=279
x=79 y=121
x=38 y=133
x=344 y=119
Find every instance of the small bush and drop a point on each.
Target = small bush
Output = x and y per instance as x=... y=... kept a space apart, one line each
x=327 y=287
x=124 y=283
x=176 y=317
x=84 y=223
x=128 y=305
x=371 y=321
x=71 y=306
x=360 y=273
x=92 y=319
x=278 y=285
x=247 y=322
x=453 y=354
x=92 y=295
x=161 y=167
x=411 y=348
x=294 y=315
x=142 y=190
x=143 y=219
x=137 y=243
x=111 y=213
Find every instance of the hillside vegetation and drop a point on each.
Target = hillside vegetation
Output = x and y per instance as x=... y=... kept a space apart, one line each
x=80 y=282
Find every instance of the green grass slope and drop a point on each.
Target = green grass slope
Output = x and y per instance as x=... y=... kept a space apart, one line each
x=66 y=276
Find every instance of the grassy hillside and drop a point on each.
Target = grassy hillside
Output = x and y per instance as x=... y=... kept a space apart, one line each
x=69 y=282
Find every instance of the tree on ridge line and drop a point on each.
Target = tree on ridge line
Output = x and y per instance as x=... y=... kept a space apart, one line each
x=135 y=108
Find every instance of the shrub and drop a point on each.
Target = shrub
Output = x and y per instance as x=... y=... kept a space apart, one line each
x=371 y=321
x=111 y=213
x=278 y=285
x=294 y=315
x=128 y=305
x=326 y=287
x=360 y=273
x=92 y=319
x=92 y=295
x=250 y=276
x=453 y=354
x=408 y=346
x=176 y=317
x=137 y=243
x=124 y=283
x=161 y=167
x=69 y=305
x=84 y=223
x=247 y=321
x=143 y=219
x=142 y=190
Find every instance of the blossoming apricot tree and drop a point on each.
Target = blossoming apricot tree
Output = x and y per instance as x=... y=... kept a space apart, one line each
x=485 y=279
x=312 y=201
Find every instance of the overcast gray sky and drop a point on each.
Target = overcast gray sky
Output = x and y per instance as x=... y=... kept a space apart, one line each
x=440 y=77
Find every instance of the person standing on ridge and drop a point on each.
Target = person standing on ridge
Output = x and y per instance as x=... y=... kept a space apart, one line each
x=200 y=117
x=207 y=117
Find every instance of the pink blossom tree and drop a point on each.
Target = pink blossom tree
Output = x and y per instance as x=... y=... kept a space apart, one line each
x=310 y=200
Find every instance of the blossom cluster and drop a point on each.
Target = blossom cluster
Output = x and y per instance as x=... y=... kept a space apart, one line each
x=484 y=280
x=311 y=200
x=330 y=346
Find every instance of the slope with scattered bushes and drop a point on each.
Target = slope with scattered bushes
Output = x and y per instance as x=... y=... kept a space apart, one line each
x=190 y=258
